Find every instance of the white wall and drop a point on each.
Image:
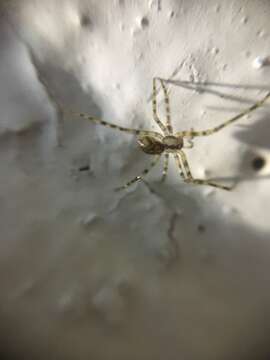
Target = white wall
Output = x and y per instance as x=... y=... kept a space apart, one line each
x=87 y=273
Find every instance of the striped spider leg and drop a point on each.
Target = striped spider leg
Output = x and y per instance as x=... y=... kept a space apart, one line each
x=167 y=142
x=185 y=173
x=191 y=133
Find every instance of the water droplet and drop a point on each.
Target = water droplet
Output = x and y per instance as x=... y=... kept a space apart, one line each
x=87 y=220
x=142 y=22
x=203 y=112
x=117 y=86
x=225 y=67
x=244 y=20
x=217 y=8
x=214 y=51
x=260 y=61
x=261 y=33
x=171 y=14
x=139 y=56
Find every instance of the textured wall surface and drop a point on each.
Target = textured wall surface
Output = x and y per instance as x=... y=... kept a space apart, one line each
x=178 y=272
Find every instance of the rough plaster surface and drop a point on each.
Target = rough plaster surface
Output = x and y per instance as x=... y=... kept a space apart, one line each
x=177 y=273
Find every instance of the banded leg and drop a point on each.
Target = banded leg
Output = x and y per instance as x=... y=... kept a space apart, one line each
x=154 y=107
x=165 y=167
x=167 y=107
x=192 y=133
x=117 y=127
x=190 y=179
x=140 y=177
x=180 y=168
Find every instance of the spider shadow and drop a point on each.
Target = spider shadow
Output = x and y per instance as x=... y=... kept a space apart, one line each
x=235 y=180
x=255 y=135
x=207 y=87
x=55 y=80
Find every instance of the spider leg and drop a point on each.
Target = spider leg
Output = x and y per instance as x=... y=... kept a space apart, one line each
x=117 y=127
x=180 y=168
x=167 y=106
x=189 y=178
x=154 y=108
x=140 y=177
x=192 y=133
x=165 y=167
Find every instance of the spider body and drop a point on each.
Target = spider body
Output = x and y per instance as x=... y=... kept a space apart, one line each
x=169 y=143
x=153 y=146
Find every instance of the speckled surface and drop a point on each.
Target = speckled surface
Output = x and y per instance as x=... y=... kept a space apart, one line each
x=179 y=272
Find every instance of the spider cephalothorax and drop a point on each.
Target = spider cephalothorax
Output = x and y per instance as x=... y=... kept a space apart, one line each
x=168 y=142
x=173 y=143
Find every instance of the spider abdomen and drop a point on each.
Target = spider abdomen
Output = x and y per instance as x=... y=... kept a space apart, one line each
x=151 y=145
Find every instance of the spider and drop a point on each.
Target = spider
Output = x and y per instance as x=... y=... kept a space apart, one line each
x=169 y=142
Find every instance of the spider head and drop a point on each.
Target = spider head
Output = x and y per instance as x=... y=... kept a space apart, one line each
x=150 y=145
